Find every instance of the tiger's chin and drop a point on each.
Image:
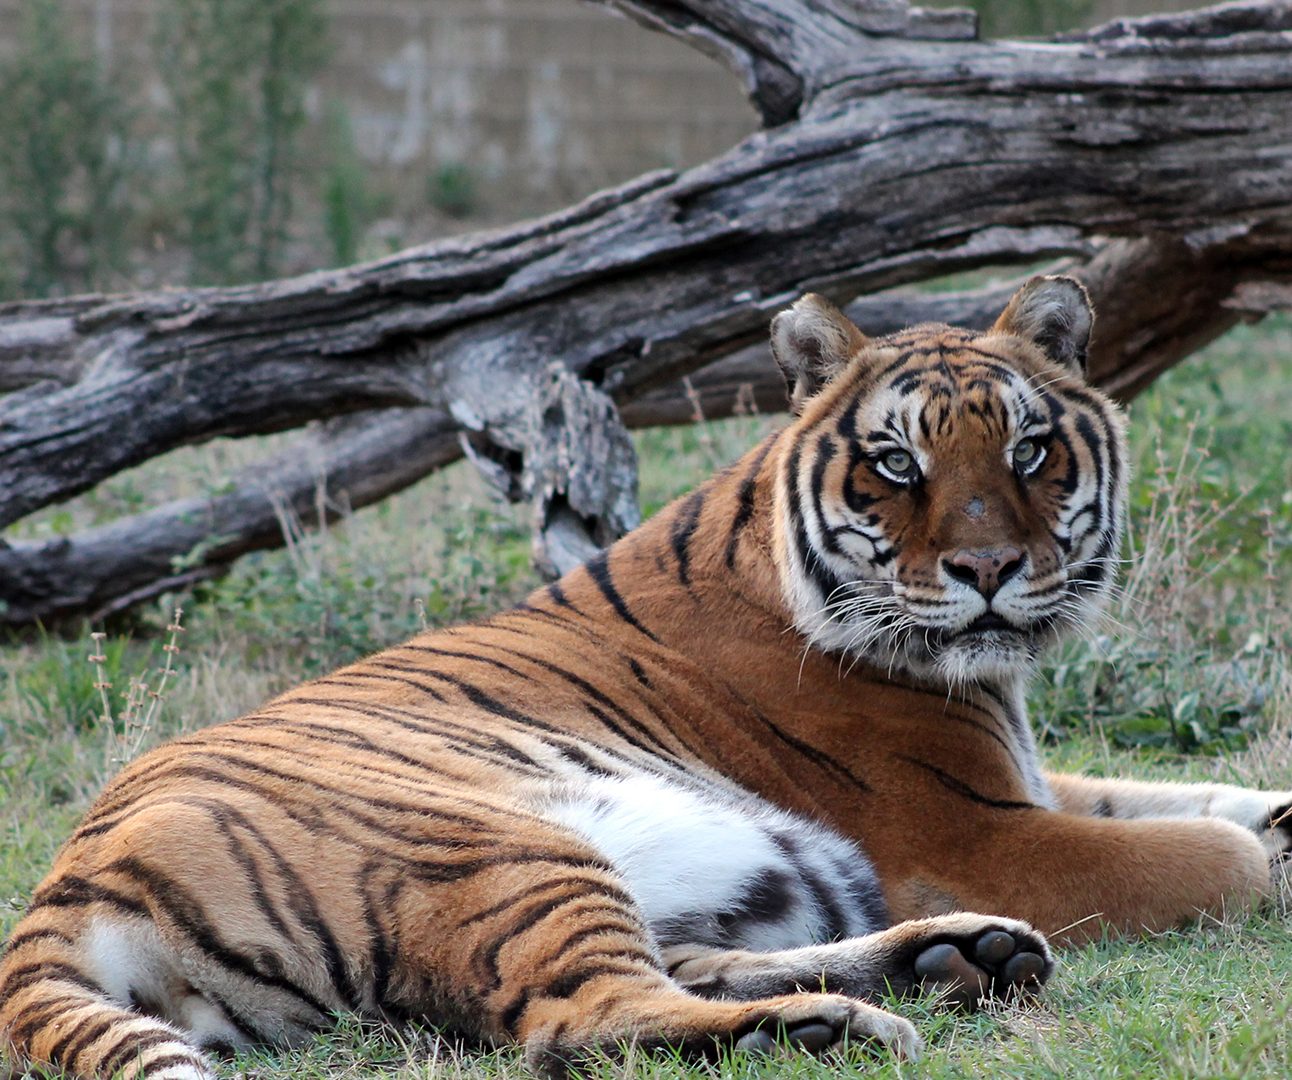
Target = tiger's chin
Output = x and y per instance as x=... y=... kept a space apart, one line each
x=993 y=656
x=996 y=656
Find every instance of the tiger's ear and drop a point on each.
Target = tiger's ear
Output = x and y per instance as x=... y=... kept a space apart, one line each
x=812 y=343
x=1055 y=314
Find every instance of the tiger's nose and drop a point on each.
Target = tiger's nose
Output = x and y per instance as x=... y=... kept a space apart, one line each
x=987 y=570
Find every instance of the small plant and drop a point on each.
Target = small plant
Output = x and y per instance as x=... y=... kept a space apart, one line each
x=451 y=189
x=347 y=204
x=127 y=733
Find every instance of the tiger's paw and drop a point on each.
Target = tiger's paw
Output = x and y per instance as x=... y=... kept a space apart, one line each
x=819 y=1023
x=1277 y=837
x=1267 y=813
x=966 y=959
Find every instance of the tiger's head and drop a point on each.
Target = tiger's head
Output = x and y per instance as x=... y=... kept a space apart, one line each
x=949 y=501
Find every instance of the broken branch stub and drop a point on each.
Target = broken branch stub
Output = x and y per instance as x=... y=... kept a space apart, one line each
x=569 y=454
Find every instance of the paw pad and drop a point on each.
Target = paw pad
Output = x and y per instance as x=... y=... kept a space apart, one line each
x=992 y=964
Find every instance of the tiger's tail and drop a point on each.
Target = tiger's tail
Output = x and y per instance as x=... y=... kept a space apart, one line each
x=53 y=1012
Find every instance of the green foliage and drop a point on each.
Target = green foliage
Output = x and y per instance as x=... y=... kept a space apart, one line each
x=63 y=175
x=347 y=203
x=59 y=684
x=451 y=189
x=1138 y=692
x=1186 y=666
x=1030 y=18
x=325 y=602
x=237 y=72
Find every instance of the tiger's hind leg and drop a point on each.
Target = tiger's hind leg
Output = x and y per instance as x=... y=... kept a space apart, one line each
x=964 y=958
x=540 y=942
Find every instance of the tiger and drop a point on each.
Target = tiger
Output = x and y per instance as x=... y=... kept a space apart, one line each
x=756 y=771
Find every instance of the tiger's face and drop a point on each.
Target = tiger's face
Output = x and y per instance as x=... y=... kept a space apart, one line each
x=951 y=501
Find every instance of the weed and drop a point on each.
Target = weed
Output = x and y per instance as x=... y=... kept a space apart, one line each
x=452 y=190
x=126 y=734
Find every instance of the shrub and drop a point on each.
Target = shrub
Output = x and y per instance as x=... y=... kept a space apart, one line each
x=63 y=175
x=237 y=72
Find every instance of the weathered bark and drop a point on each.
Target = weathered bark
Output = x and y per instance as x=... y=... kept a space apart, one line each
x=904 y=152
x=1158 y=302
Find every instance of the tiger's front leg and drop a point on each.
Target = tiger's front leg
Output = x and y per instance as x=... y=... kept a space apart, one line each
x=963 y=958
x=1073 y=876
x=1267 y=814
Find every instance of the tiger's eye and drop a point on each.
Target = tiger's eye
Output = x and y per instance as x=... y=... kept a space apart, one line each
x=899 y=463
x=1028 y=455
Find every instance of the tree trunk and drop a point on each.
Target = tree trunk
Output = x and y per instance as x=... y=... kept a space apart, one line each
x=901 y=149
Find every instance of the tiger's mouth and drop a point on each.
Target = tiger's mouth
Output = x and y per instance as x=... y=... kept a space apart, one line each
x=988 y=628
x=990 y=622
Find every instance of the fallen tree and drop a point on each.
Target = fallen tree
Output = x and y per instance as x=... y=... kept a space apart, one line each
x=899 y=148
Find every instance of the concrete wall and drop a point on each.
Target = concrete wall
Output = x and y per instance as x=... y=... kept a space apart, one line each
x=542 y=101
x=546 y=100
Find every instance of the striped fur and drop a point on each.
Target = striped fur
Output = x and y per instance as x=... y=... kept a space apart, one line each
x=768 y=745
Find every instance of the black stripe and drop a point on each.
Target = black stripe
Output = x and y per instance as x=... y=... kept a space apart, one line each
x=558 y=596
x=959 y=787
x=825 y=452
x=589 y=886
x=576 y=755
x=485 y=959
x=979 y=726
x=380 y=946
x=78 y=1038
x=599 y=569
x=20 y=978
x=473 y=657
x=131 y=1046
x=812 y=753
x=745 y=499
x=354 y=678
x=422 y=723
x=639 y=673
x=301 y=901
x=568 y=985
x=192 y=920
x=836 y=924
x=653 y=744
x=167 y=1060
x=685 y=523
x=74 y=891
x=596 y=929
x=421 y=809
x=35 y=1018
x=27 y=936
x=822 y=577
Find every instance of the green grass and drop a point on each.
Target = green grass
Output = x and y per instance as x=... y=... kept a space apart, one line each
x=1195 y=683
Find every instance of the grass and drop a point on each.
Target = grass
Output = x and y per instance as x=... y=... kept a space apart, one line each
x=1194 y=683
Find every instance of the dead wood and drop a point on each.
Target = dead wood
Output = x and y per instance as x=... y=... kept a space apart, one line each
x=900 y=149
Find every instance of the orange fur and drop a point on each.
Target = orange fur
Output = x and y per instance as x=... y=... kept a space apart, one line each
x=366 y=841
